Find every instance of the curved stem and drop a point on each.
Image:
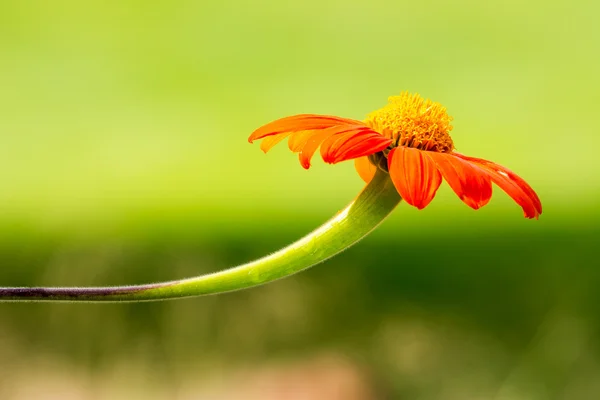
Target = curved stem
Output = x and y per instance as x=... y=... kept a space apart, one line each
x=350 y=225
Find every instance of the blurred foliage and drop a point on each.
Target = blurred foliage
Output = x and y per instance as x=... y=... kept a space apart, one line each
x=123 y=159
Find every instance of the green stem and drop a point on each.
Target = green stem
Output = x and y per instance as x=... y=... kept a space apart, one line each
x=350 y=225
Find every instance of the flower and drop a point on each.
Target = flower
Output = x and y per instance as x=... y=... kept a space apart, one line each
x=408 y=138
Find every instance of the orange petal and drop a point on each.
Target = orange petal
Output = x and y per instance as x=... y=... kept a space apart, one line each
x=512 y=184
x=415 y=176
x=297 y=140
x=307 y=142
x=357 y=142
x=314 y=141
x=271 y=141
x=365 y=169
x=471 y=183
x=301 y=122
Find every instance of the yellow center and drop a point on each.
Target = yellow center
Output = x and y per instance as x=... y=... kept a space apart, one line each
x=412 y=121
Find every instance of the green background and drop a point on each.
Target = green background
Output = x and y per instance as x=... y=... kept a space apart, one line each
x=124 y=159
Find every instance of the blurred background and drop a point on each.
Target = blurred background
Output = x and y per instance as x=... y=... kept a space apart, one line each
x=124 y=159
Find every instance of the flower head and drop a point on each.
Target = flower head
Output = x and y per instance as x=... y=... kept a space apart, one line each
x=410 y=139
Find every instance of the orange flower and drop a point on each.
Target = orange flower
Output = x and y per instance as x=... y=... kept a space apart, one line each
x=409 y=138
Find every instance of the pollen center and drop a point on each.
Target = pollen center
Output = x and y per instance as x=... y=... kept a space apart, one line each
x=411 y=121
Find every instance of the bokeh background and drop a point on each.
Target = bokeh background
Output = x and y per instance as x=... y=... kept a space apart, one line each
x=123 y=159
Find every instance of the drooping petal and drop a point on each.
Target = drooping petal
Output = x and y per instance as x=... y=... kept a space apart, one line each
x=314 y=141
x=512 y=184
x=301 y=122
x=335 y=142
x=307 y=132
x=470 y=183
x=271 y=141
x=358 y=142
x=297 y=140
x=414 y=175
x=307 y=142
x=365 y=169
